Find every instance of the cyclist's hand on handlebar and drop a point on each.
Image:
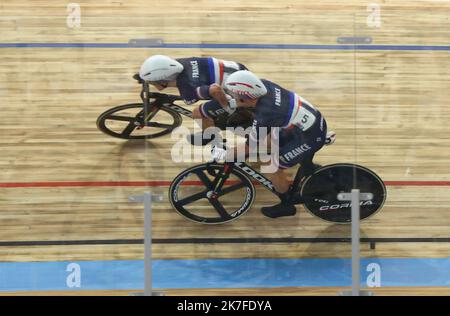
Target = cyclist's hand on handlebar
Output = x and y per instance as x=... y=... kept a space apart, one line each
x=138 y=78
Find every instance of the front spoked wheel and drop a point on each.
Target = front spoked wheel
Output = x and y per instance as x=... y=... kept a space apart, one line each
x=320 y=191
x=193 y=196
x=128 y=121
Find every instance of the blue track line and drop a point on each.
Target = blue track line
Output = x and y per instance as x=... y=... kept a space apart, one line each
x=233 y=46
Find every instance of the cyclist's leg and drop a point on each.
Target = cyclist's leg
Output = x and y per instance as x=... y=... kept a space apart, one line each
x=205 y=120
x=307 y=168
x=209 y=110
x=280 y=180
x=302 y=150
x=288 y=142
x=207 y=113
x=285 y=207
x=295 y=148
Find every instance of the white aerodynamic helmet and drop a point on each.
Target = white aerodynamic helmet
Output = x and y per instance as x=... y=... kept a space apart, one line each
x=244 y=83
x=160 y=68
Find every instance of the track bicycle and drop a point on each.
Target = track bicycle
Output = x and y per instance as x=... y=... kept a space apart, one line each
x=156 y=116
x=215 y=193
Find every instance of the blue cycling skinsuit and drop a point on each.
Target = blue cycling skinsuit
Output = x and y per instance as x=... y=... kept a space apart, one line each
x=302 y=128
x=198 y=75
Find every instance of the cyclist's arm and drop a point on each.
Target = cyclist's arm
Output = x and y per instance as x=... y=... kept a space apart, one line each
x=213 y=91
x=187 y=91
x=216 y=92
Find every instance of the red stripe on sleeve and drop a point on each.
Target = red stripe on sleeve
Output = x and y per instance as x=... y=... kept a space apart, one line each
x=220 y=72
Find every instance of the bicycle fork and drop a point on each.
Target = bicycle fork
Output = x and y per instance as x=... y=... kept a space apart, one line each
x=150 y=110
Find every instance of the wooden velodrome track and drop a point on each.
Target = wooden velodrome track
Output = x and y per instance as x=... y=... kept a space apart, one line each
x=51 y=97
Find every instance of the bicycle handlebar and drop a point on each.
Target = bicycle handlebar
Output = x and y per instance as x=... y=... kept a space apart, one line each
x=155 y=95
x=138 y=78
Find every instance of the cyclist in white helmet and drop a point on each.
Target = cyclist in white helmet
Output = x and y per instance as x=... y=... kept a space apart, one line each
x=302 y=129
x=196 y=79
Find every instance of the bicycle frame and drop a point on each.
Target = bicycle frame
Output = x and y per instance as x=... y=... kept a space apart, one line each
x=246 y=169
x=218 y=181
